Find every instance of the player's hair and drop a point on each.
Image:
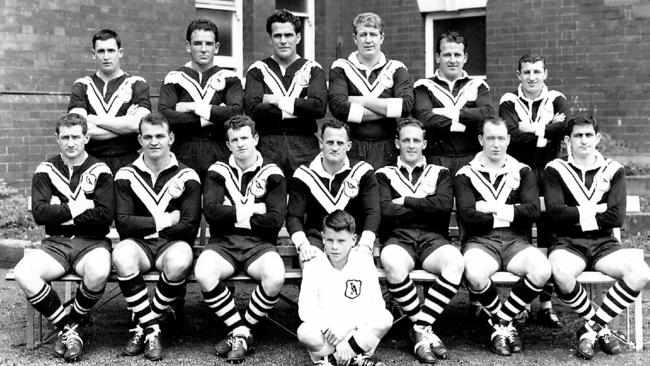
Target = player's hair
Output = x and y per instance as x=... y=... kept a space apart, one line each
x=154 y=119
x=283 y=16
x=336 y=124
x=493 y=120
x=368 y=20
x=105 y=34
x=237 y=122
x=531 y=58
x=204 y=25
x=409 y=121
x=70 y=120
x=581 y=120
x=451 y=36
x=340 y=220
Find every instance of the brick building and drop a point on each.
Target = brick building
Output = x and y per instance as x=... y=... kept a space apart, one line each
x=596 y=49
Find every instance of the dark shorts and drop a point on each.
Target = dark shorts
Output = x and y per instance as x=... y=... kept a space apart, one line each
x=240 y=250
x=378 y=153
x=453 y=163
x=199 y=152
x=591 y=250
x=69 y=251
x=153 y=248
x=500 y=244
x=419 y=244
x=115 y=162
x=289 y=151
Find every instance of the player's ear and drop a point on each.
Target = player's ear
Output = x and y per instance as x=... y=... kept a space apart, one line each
x=172 y=138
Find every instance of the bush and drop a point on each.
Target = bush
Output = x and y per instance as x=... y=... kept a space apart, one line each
x=15 y=220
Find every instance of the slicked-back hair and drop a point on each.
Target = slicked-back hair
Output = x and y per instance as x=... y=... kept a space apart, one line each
x=581 y=120
x=409 y=121
x=283 y=16
x=106 y=34
x=531 y=58
x=204 y=25
x=492 y=120
x=154 y=119
x=238 y=121
x=451 y=36
x=336 y=124
x=340 y=220
x=70 y=120
x=369 y=20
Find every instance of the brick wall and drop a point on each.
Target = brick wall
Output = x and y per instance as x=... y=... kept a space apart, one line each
x=597 y=55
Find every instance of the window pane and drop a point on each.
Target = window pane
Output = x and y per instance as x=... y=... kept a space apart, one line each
x=299 y=6
x=223 y=20
x=300 y=48
x=473 y=30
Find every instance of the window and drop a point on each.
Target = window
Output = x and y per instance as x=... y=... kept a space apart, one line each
x=466 y=17
x=227 y=15
x=304 y=9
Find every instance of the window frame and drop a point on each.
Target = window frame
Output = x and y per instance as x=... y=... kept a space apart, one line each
x=308 y=29
x=236 y=61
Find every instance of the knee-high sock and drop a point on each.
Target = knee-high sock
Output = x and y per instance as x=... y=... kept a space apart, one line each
x=166 y=292
x=137 y=298
x=406 y=296
x=545 y=296
x=47 y=302
x=436 y=299
x=578 y=301
x=522 y=293
x=617 y=299
x=258 y=306
x=84 y=300
x=220 y=300
x=488 y=297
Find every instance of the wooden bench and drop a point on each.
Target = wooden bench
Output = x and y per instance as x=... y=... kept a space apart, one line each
x=294 y=275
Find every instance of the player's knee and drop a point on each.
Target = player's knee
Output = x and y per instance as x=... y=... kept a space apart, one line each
x=539 y=272
x=637 y=276
x=396 y=270
x=24 y=273
x=310 y=336
x=273 y=281
x=205 y=271
x=124 y=257
x=176 y=268
x=477 y=277
x=454 y=264
x=96 y=274
x=384 y=321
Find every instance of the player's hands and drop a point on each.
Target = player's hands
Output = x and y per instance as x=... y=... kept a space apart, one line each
x=399 y=201
x=271 y=99
x=335 y=334
x=344 y=354
x=307 y=252
x=175 y=216
x=526 y=127
x=558 y=117
x=186 y=107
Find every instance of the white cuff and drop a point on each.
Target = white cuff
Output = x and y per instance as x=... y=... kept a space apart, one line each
x=299 y=238
x=244 y=213
x=203 y=110
x=600 y=208
x=75 y=208
x=499 y=223
x=540 y=129
x=457 y=127
x=506 y=213
x=541 y=142
x=356 y=113
x=367 y=239
x=79 y=111
x=286 y=104
x=587 y=218
x=394 y=107
x=286 y=115
x=163 y=221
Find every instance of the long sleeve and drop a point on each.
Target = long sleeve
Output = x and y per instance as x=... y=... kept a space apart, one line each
x=233 y=98
x=337 y=94
x=189 y=205
x=527 y=210
x=78 y=97
x=369 y=190
x=297 y=207
x=179 y=121
x=389 y=210
x=614 y=216
x=43 y=211
x=479 y=110
x=101 y=216
x=403 y=89
x=310 y=308
x=466 y=205
x=556 y=130
x=314 y=105
x=433 y=123
x=214 y=193
x=270 y=223
x=518 y=138
x=439 y=203
x=128 y=224
x=559 y=212
x=254 y=92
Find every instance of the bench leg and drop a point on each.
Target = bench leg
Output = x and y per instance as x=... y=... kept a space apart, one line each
x=638 y=322
x=29 y=326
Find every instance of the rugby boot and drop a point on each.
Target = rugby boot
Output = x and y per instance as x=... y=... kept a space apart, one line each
x=59 y=345
x=607 y=342
x=241 y=345
x=419 y=336
x=514 y=341
x=586 y=340
x=499 y=340
x=152 y=344
x=522 y=318
x=223 y=346
x=135 y=345
x=366 y=360
x=73 y=343
x=549 y=318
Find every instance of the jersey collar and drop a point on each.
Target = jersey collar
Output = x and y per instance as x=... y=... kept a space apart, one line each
x=542 y=95
x=317 y=167
x=354 y=59
x=258 y=164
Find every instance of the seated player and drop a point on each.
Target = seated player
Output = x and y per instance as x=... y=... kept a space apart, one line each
x=344 y=315
x=585 y=197
x=72 y=195
x=330 y=182
x=158 y=212
x=244 y=200
x=416 y=200
x=498 y=201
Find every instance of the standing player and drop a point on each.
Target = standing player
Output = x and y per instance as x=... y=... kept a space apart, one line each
x=198 y=98
x=498 y=202
x=370 y=92
x=285 y=95
x=112 y=102
x=158 y=211
x=332 y=182
x=452 y=106
x=344 y=315
x=416 y=200
x=72 y=195
x=536 y=117
x=585 y=197
x=244 y=200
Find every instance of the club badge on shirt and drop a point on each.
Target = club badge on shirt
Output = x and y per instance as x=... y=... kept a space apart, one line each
x=513 y=180
x=352 y=289
x=258 y=187
x=386 y=80
x=602 y=182
x=124 y=93
x=429 y=185
x=351 y=187
x=88 y=183
x=302 y=77
x=217 y=82
x=176 y=188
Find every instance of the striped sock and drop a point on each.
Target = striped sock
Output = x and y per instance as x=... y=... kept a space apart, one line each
x=84 y=300
x=166 y=292
x=220 y=300
x=489 y=298
x=258 y=306
x=406 y=296
x=137 y=298
x=48 y=303
x=578 y=301
x=617 y=299
x=522 y=293
x=436 y=299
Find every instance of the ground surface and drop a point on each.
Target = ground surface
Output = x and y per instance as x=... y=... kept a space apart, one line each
x=193 y=345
